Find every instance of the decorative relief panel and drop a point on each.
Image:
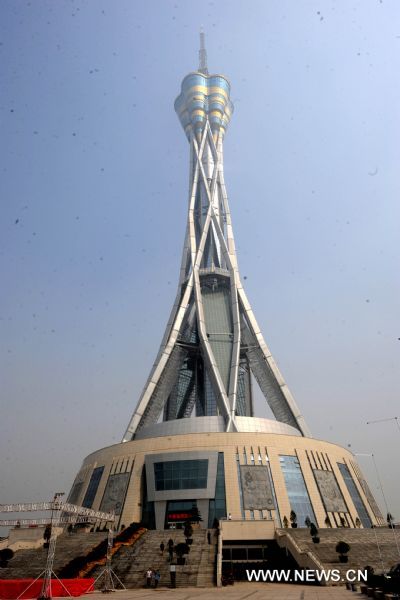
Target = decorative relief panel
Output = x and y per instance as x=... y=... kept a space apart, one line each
x=256 y=487
x=114 y=493
x=371 y=499
x=330 y=491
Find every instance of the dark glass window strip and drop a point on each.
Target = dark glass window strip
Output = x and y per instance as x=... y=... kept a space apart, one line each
x=92 y=487
x=217 y=506
x=148 y=514
x=355 y=496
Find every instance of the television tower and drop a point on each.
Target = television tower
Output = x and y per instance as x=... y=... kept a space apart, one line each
x=212 y=342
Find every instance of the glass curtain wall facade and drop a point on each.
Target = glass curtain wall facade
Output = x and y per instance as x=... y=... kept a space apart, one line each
x=148 y=514
x=217 y=507
x=181 y=474
x=296 y=489
x=355 y=496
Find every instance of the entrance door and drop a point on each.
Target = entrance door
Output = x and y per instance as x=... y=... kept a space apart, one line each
x=178 y=512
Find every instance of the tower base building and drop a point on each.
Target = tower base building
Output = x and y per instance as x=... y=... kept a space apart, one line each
x=193 y=449
x=177 y=470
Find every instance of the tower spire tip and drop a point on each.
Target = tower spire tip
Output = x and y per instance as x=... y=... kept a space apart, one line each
x=202 y=54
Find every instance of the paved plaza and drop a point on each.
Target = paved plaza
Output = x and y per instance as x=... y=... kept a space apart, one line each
x=239 y=591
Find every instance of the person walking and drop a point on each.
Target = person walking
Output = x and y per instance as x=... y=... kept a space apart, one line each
x=162 y=548
x=208 y=537
x=148 y=577
x=170 y=549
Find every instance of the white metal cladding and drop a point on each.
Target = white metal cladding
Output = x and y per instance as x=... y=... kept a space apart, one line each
x=214 y=425
x=212 y=330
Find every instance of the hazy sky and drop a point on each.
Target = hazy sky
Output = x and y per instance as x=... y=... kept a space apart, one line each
x=94 y=180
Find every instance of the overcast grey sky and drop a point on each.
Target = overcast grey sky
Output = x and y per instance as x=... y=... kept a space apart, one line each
x=94 y=177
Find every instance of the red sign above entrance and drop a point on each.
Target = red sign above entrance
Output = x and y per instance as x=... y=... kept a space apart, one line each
x=178 y=516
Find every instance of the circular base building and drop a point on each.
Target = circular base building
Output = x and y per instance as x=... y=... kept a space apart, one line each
x=178 y=470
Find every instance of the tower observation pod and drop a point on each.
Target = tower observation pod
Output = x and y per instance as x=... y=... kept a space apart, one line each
x=193 y=445
x=212 y=344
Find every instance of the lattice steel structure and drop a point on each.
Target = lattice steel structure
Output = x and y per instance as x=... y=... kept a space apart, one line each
x=212 y=341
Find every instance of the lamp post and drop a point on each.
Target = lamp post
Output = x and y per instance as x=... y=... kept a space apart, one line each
x=371 y=455
x=395 y=419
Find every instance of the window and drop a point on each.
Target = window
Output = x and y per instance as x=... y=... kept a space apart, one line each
x=181 y=474
x=92 y=487
x=148 y=513
x=217 y=506
x=179 y=511
x=296 y=489
x=355 y=496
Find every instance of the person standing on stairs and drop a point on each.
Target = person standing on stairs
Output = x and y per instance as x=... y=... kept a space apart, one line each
x=172 y=575
x=157 y=578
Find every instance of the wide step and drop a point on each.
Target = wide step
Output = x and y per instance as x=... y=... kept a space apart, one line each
x=131 y=563
x=31 y=562
x=372 y=547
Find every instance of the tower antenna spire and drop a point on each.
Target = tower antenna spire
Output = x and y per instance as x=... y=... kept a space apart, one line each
x=202 y=54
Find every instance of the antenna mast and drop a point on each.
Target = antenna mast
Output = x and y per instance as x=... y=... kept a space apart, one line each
x=202 y=54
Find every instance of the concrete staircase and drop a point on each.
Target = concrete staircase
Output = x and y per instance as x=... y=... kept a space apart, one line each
x=30 y=563
x=130 y=563
x=366 y=546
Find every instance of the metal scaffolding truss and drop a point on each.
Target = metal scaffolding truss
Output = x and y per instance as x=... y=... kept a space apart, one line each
x=107 y=575
x=65 y=507
x=77 y=514
x=32 y=522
